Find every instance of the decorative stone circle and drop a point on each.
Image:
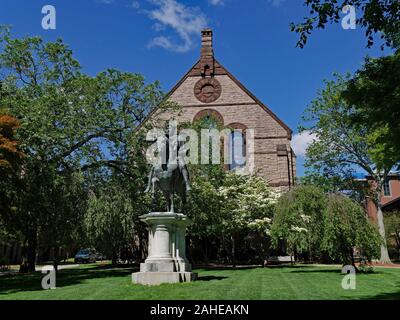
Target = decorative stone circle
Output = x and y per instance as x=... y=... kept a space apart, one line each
x=207 y=90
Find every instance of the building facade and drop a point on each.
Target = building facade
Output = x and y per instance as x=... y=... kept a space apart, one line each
x=390 y=197
x=209 y=90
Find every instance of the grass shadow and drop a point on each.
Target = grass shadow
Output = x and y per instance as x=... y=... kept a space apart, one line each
x=334 y=271
x=386 y=296
x=230 y=268
x=14 y=283
x=211 y=278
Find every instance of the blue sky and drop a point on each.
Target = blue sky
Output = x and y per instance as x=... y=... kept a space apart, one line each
x=160 y=39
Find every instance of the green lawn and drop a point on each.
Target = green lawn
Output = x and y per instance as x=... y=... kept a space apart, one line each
x=298 y=282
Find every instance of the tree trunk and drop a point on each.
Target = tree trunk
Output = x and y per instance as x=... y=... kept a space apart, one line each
x=114 y=257
x=56 y=258
x=397 y=239
x=205 y=250
x=263 y=253
x=233 y=252
x=189 y=250
x=29 y=258
x=294 y=261
x=353 y=262
x=381 y=226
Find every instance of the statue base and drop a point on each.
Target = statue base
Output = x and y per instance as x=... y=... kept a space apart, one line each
x=166 y=261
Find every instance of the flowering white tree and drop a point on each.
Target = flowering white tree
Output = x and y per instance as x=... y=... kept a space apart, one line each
x=247 y=204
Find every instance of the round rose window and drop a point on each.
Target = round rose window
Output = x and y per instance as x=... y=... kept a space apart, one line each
x=207 y=90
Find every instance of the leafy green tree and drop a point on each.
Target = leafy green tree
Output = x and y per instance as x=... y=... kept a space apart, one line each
x=392 y=224
x=204 y=205
x=374 y=91
x=346 y=228
x=109 y=221
x=376 y=16
x=63 y=210
x=341 y=148
x=298 y=220
x=204 y=209
x=70 y=122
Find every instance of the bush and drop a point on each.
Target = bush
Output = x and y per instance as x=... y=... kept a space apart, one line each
x=4 y=264
x=298 y=220
x=346 y=228
x=392 y=226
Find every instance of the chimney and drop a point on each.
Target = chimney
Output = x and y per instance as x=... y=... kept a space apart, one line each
x=206 y=53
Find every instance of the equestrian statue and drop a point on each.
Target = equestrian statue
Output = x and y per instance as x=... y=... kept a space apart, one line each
x=169 y=175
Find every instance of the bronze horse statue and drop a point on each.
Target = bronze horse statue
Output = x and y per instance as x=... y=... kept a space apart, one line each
x=170 y=177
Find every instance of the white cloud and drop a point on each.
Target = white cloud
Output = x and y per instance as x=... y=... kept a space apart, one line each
x=106 y=1
x=301 y=141
x=184 y=20
x=216 y=2
x=276 y=3
x=135 y=5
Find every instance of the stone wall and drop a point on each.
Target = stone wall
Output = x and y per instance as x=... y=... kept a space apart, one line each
x=236 y=106
x=208 y=88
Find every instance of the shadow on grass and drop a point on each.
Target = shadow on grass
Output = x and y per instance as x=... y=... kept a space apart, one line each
x=210 y=278
x=338 y=271
x=230 y=268
x=116 y=267
x=386 y=296
x=315 y=271
x=67 y=277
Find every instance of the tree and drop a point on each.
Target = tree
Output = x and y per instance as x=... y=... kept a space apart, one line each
x=346 y=228
x=298 y=220
x=204 y=209
x=392 y=223
x=109 y=221
x=10 y=160
x=374 y=91
x=71 y=122
x=377 y=17
x=246 y=203
x=10 y=155
x=341 y=148
x=62 y=212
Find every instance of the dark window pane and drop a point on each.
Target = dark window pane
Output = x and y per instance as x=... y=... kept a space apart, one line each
x=386 y=188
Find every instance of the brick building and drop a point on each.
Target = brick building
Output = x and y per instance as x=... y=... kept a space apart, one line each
x=209 y=90
x=390 y=196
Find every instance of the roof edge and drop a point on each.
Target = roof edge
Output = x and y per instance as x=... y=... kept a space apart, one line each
x=236 y=81
x=268 y=110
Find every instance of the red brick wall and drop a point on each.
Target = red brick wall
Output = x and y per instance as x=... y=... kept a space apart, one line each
x=394 y=182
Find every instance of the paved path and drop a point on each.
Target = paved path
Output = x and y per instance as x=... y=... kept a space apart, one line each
x=39 y=268
x=60 y=267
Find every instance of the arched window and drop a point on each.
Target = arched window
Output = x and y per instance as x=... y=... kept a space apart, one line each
x=209 y=118
x=237 y=146
x=209 y=122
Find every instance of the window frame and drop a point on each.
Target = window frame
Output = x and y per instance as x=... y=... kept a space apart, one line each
x=387 y=183
x=236 y=128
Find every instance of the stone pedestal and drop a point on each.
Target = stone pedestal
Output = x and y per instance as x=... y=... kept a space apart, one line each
x=166 y=261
